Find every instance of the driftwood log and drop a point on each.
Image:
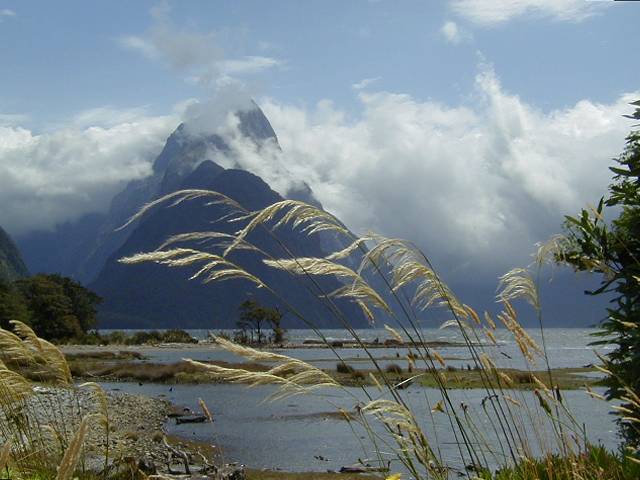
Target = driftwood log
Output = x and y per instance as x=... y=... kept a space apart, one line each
x=191 y=419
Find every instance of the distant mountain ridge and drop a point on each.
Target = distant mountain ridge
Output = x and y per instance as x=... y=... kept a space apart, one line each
x=138 y=296
x=12 y=267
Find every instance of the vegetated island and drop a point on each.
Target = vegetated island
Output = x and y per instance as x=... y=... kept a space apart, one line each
x=107 y=364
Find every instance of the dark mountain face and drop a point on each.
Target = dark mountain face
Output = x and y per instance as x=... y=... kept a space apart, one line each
x=12 y=266
x=149 y=294
x=80 y=249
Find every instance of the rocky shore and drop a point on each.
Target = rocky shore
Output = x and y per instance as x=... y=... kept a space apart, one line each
x=137 y=444
x=132 y=437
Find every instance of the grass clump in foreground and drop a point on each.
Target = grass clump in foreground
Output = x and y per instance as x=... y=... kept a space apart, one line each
x=505 y=432
x=40 y=433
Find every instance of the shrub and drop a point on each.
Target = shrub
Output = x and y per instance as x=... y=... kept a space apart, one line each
x=342 y=367
x=523 y=377
x=393 y=368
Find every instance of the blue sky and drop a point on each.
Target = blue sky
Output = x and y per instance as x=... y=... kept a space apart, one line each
x=67 y=57
x=469 y=126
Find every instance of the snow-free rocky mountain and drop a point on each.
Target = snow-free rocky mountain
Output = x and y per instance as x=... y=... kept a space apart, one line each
x=12 y=266
x=154 y=296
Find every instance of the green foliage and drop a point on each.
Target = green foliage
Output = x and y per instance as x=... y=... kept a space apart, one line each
x=613 y=250
x=153 y=337
x=342 y=367
x=583 y=465
x=57 y=308
x=254 y=317
x=12 y=306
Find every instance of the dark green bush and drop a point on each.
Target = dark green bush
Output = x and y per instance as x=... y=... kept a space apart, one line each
x=342 y=367
x=393 y=368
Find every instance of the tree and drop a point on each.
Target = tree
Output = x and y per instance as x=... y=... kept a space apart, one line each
x=59 y=308
x=83 y=301
x=254 y=317
x=613 y=250
x=12 y=306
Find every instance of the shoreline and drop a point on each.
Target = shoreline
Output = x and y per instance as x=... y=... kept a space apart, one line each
x=140 y=440
x=337 y=344
x=130 y=365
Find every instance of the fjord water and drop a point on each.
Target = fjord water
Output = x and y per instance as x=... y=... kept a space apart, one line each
x=303 y=433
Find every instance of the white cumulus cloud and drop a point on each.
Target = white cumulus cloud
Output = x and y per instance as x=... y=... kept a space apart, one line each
x=478 y=182
x=48 y=178
x=483 y=181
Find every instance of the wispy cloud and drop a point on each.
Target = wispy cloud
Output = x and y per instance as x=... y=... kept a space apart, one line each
x=248 y=65
x=197 y=55
x=5 y=12
x=494 y=12
x=453 y=33
x=364 y=83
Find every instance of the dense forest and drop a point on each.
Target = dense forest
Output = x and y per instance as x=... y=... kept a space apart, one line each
x=55 y=307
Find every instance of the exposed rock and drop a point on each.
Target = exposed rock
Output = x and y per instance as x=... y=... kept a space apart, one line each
x=12 y=266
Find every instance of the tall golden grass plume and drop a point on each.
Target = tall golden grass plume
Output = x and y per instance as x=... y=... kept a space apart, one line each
x=527 y=345
x=552 y=250
x=215 y=268
x=53 y=359
x=5 y=454
x=300 y=383
x=73 y=452
x=357 y=244
x=403 y=266
x=14 y=387
x=394 y=333
x=393 y=414
x=181 y=196
x=356 y=289
x=27 y=335
x=518 y=283
x=14 y=350
x=100 y=396
x=292 y=375
x=430 y=290
x=296 y=213
x=205 y=410
x=313 y=266
x=225 y=240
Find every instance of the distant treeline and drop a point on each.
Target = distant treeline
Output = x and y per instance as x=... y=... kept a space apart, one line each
x=57 y=308
x=152 y=337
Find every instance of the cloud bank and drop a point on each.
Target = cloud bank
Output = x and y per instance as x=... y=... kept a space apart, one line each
x=49 y=178
x=479 y=182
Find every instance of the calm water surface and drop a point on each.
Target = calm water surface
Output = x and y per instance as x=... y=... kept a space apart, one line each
x=297 y=434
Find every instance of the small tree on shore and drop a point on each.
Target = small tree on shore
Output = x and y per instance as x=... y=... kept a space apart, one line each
x=255 y=317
